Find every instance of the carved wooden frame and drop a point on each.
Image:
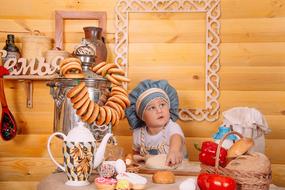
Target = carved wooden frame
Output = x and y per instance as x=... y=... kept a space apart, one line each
x=212 y=9
x=60 y=16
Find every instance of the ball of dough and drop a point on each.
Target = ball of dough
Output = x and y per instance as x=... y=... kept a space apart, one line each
x=158 y=162
x=163 y=177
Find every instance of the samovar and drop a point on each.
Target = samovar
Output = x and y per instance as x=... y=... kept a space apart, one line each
x=65 y=117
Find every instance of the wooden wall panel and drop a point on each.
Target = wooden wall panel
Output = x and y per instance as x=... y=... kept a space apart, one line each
x=144 y=31
x=252 y=73
x=230 y=8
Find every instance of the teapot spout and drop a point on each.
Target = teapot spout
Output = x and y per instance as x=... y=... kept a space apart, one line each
x=99 y=156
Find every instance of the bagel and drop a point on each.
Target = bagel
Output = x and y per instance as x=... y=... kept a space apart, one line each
x=108 y=114
x=117 y=120
x=114 y=115
x=75 y=90
x=118 y=108
x=113 y=93
x=115 y=107
x=98 y=66
x=102 y=116
x=121 y=78
x=78 y=104
x=83 y=109
x=113 y=80
x=116 y=71
x=69 y=63
x=71 y=69
x=122 y=112
x=79 y=96
x=103 y=98
x=67 y=60
x=100 y=103
x=124 y=99
x=107 y=67
x=89 y=111
x=118 y=100
x=120 y=89
x=69 y=66
x=74 y=75
x=94 y=115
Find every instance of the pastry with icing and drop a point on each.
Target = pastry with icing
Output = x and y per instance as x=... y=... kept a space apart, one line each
x=103 y=183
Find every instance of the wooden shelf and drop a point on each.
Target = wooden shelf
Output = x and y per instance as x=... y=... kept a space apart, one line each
x=28 y=79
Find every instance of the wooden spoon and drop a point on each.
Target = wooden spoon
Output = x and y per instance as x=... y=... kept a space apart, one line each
x=8 y=125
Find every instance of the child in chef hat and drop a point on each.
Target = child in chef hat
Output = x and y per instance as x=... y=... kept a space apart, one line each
x=152 y=115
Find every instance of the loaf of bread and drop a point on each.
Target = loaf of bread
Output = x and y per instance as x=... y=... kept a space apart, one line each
x=240 y=147
x=163 y=177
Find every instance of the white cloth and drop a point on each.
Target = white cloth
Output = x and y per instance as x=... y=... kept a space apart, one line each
x=156 y=140
x=250 y=123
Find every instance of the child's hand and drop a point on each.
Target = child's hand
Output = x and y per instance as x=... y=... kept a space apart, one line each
x=174 y=157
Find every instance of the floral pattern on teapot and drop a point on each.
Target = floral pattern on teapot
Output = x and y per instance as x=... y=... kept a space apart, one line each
x=78 y=159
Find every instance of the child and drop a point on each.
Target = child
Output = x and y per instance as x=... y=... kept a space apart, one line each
x=152 y=115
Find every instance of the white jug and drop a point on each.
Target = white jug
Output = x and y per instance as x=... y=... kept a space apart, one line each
x=79 y=149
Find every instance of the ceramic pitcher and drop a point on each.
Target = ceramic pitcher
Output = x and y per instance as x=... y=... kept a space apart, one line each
x=94 y=35
x=79 y=149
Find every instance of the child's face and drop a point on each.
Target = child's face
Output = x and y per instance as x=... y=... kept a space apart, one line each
x=156 y=113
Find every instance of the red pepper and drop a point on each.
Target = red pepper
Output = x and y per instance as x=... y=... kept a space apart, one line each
x=208 y=154
x=215 y=182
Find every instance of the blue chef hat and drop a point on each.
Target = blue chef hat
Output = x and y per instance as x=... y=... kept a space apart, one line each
x=147 y=91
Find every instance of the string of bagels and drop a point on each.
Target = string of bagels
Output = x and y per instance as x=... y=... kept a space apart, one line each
x=111 y=105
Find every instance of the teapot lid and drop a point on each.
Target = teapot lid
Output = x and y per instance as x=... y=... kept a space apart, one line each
x=80 y=134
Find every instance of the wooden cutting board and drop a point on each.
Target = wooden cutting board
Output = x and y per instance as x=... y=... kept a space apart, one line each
x=185 y=169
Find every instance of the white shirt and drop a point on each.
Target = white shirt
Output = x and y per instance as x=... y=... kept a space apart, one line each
x=153 y=141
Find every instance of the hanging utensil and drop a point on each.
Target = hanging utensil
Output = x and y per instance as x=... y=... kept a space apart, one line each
x=8 y=124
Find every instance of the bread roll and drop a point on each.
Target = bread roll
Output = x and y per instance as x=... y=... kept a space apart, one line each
x=163 y=177
x=240 y=147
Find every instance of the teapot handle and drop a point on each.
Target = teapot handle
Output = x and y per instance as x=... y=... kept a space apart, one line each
x=49 y=150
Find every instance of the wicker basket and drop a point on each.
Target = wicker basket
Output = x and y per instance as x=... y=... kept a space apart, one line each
x=246 y=180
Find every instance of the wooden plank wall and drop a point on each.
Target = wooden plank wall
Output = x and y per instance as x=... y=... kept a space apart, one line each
x=169 y=46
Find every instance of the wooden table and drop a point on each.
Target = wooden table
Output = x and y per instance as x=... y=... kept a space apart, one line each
x=57 y=182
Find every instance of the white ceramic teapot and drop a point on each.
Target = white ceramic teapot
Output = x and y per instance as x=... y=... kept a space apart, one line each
x=79 y=149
